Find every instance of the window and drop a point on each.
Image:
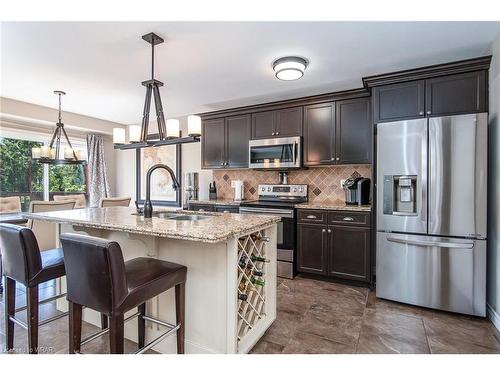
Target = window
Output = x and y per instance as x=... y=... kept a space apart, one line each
x=19 y=176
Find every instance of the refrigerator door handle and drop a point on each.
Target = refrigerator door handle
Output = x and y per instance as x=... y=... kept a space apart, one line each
x=467 y=245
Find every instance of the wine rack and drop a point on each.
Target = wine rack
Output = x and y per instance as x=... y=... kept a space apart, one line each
x=252 y=267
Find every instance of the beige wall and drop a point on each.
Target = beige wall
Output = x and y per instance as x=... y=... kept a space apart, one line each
x=16 y=115
x=493 y=274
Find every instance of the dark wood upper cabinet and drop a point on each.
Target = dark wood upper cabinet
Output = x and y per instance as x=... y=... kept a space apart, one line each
x=289 y=122
x=237 y=137
x=224 y=143
x=399 y=101
x=213 y=144
x=312 y=241
x=456 y=94
x=263 y=125
x=319 y=134
x=281 y=123
x=353 y=135
x=349 y=252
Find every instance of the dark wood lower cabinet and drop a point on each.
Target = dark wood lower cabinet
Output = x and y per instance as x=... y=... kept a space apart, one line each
x=342 y=251
x=312 y=243
x=349 y=252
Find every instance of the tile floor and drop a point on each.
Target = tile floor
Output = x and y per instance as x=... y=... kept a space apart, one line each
x=320 y=317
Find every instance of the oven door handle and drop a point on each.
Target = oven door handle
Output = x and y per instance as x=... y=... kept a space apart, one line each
x=267 y=211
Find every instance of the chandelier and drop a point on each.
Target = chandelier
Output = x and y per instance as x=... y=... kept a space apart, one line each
x=168 y=131
x=52 y=154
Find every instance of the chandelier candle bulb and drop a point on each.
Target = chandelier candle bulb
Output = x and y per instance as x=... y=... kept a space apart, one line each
x=68 y=153
x=194 y=126
x=172 y=128
x=81 y=155
x=36 y=152
x=134 y=133
x=45 y=151
x=119 y=136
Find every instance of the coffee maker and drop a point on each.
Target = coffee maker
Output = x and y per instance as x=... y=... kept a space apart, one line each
x=357 y=191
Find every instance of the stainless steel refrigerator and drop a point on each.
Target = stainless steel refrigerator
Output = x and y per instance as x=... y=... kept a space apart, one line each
x=431 y=212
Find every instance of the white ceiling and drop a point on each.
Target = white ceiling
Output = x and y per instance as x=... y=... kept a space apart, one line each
x=208 y=66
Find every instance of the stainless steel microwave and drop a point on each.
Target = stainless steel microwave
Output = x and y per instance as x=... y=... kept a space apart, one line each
x=275 y=153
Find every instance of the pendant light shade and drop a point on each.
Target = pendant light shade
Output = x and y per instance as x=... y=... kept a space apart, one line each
x=194 y=126
x=173 y=128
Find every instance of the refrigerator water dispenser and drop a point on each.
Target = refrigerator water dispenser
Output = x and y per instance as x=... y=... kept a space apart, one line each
x=399 y=195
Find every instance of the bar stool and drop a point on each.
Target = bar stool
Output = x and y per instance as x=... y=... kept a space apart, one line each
x=98 y=278
x=24 y=263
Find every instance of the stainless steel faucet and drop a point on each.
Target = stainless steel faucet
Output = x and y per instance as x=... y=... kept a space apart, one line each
x=148 y=206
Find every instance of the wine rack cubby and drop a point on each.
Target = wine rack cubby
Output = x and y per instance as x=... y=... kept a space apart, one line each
x=252 y=267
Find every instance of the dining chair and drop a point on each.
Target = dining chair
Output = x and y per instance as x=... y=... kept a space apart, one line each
x=10 y=205
x=45 y=232
x=81 y=201
x=113 y=202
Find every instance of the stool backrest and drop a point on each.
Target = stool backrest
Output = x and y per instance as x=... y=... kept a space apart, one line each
x=95 y=272
x=21 y=258
x=113 y=202
x=45 y=231
x=10 y=205
x=81 y=201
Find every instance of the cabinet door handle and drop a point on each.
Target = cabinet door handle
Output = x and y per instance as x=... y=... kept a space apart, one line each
x=348 y=218
x=311 y=217
x=329 y=231
x=421 y=113
x=429 y=112
x=323 y=230
x=338 y=159
x=273 y=133
x=201 y=210
x=221 y=163
x=277 y=133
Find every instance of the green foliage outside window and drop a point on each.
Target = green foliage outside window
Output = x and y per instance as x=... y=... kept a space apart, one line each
x=67 y=178
x=20 y=176
x=15 y=162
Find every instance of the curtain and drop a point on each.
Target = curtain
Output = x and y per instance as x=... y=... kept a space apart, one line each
x=98 y=181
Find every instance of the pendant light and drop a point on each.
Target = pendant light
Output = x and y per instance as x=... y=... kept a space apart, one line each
x=52 y=154
x=168 y=131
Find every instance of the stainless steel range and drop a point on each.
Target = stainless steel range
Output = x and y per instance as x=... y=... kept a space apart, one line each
x=280 y=200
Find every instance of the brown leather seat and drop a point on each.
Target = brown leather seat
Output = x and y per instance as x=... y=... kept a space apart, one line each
x=99 y=278
x=24 y=263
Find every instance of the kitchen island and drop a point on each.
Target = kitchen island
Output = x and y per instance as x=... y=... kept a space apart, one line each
x=220 y=251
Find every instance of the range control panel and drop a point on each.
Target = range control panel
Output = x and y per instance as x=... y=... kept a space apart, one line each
x=282 y=190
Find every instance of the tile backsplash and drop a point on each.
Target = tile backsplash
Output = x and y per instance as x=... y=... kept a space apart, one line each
x=324 y=182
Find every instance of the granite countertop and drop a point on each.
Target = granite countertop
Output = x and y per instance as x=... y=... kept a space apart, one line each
x=337 y=205
x=221 y=202
x=219 y=227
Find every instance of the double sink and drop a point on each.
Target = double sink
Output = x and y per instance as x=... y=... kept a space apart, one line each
x=177 y=217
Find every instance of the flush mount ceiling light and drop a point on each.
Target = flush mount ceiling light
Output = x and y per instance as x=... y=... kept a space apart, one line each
x=289 y=68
